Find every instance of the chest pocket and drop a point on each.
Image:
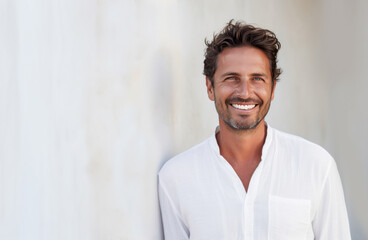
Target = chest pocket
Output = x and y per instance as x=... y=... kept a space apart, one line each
x=289 y=219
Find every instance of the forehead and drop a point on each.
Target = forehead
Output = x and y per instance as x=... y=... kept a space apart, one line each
x=243 y=60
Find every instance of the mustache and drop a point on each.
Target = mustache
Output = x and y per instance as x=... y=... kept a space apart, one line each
x=242 y=100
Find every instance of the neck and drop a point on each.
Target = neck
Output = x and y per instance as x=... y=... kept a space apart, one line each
x=241 y=146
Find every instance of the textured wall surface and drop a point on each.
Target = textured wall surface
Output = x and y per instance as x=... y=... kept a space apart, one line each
x=96 y=95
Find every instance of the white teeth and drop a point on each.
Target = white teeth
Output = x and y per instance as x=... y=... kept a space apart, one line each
x=243 y=107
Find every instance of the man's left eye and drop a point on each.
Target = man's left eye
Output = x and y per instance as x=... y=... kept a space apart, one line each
x=258 y=79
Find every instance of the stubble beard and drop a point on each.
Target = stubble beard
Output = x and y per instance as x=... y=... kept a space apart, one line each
x=240 y=125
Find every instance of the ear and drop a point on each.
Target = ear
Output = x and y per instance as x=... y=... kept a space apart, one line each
x=210 y=92
x=273 y=90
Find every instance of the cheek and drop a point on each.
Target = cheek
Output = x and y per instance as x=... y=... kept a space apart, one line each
x=225 y=91
x=264 y=92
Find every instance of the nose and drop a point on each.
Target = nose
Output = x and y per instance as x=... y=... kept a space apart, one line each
x=244 y=88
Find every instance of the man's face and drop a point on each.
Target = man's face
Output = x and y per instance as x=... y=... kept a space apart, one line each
x=242 y=88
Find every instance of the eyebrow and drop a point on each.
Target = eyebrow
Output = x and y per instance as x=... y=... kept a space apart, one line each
x=258 y=75
x=230 y=74
x=237 y=74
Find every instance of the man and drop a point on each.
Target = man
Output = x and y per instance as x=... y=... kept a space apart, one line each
x=248 y=180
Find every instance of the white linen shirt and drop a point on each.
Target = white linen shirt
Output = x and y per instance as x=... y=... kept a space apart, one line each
x=294 y=194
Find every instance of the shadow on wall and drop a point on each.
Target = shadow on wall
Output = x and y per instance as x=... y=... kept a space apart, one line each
x=356 y=228
x=162 y=101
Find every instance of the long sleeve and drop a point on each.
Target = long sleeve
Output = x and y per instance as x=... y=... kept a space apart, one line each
x=174 y=227
x=331 y=219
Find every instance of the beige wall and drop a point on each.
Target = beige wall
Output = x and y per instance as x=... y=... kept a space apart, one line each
x=96 y=95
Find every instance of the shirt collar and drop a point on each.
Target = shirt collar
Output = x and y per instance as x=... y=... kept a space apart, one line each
x=265 y=148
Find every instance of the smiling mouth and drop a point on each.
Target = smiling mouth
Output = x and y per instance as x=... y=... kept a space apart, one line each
x=243 y=106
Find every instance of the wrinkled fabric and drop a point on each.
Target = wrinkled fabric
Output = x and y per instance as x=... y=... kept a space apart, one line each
x=294 y=194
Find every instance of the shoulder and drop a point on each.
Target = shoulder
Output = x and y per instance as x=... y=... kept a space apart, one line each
x=301 y=150
x=186 y=162
x=299 y=144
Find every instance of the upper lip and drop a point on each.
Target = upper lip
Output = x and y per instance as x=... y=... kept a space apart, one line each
x=242 y=101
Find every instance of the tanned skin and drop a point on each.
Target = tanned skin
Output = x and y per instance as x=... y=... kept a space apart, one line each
x=242 y=151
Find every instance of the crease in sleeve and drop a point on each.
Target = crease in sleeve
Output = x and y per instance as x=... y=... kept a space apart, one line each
x=320 y=194
x=174 y=226
x=330 y=219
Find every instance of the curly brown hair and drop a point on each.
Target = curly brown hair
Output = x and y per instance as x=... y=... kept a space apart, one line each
x=240 y=34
